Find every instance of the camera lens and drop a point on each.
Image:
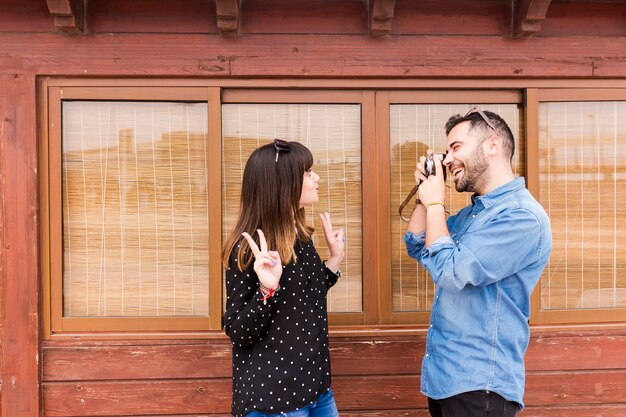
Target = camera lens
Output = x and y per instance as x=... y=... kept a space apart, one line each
x=429 y=164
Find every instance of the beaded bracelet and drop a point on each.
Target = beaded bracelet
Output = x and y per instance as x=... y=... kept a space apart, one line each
x=267 y=292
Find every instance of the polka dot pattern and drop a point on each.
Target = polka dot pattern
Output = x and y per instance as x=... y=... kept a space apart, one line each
x=280 y=346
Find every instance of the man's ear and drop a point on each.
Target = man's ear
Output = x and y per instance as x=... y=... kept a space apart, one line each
x=493 y=145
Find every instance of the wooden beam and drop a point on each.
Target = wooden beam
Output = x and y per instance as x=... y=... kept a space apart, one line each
x=69 y=15
x=527 y=16
x=381 y=17
x=228 y=16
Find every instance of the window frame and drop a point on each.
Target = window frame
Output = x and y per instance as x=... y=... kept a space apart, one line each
x=365 y=99
x=383 y=102
x=534 y=98
x=375 y=97
x=52 y=216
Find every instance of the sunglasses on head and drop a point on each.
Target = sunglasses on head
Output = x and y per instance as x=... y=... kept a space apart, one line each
x=477 y=109
x=281 y=145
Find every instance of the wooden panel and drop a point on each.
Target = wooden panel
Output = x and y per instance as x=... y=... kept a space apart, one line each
x=378 y=393
x=19 y=374
x=567 y=388
x=600 y=19
x=25 y=16
x=102 y=362
x=383 y=357
x=141 y=16
x=3 y=105
x=430 y=17
x=576 y=352
x=313 y=55
x=311 y=16
x=351 y=393
x=134 y=93
x=612 y=410
x=214 y=156
x=290 y=96
x=337 y=83
x=567 y=371
x=136 y=397
x=211 y=395
x=370 y=207
x=136 y=362
x=572 y=94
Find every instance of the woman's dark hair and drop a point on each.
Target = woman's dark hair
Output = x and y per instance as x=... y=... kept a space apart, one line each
x=270 y=201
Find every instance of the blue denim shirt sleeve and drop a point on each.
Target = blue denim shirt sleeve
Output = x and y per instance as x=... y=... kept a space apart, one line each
x=482 y=257
x=414 y=243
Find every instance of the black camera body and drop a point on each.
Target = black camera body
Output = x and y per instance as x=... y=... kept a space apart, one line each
x=429 y=164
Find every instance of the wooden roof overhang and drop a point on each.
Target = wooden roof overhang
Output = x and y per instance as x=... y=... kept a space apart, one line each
x=526 y=16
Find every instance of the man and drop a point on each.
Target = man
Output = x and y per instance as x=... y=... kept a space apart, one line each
x=485 y=262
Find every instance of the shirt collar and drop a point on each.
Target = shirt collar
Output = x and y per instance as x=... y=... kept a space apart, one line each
x=494 y=196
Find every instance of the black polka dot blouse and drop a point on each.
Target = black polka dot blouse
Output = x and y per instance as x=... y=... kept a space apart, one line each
x=280 y=346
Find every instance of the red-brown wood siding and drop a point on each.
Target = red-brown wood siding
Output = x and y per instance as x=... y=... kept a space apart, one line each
x=19 y=300
x=569 y=373
x=566 y=373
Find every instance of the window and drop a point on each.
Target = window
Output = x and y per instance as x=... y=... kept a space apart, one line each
x=330 y=125
x=417 y=123
x=135 y=209
x=129 y=221
x=140 y=183
x=582 y=146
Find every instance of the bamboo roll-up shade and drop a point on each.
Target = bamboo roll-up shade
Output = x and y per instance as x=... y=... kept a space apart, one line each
x=135 y=209
x=413 y=130
x=333 y=134
x=582 y=149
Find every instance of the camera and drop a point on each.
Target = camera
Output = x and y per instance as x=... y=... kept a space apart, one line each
x=429 y=164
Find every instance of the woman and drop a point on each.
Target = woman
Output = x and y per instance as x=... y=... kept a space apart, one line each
x=276 y=287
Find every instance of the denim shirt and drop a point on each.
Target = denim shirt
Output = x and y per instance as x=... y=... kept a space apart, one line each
x=484 y=273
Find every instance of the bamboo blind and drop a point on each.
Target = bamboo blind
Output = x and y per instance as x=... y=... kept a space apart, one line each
x=333 y=134
x=414 y=129
x=135 y=209
x=583 y=186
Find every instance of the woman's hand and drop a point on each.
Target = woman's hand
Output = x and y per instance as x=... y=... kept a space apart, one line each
x=267 y=264
x=335 y=241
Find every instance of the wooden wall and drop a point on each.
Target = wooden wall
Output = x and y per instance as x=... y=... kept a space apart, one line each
x=570 y=373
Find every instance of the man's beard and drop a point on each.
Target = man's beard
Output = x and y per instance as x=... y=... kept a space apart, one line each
x=473 y=170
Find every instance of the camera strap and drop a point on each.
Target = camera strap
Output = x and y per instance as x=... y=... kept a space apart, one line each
x=406 y=201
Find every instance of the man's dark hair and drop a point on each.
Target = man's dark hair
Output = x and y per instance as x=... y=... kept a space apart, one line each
x=476 y=122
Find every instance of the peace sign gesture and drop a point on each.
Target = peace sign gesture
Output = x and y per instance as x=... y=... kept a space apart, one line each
x=267 y=264
x=335 y=241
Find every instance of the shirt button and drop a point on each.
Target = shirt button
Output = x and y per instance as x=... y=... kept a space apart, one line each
x=427 y=356
x=473 y=215
x=431 y=326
